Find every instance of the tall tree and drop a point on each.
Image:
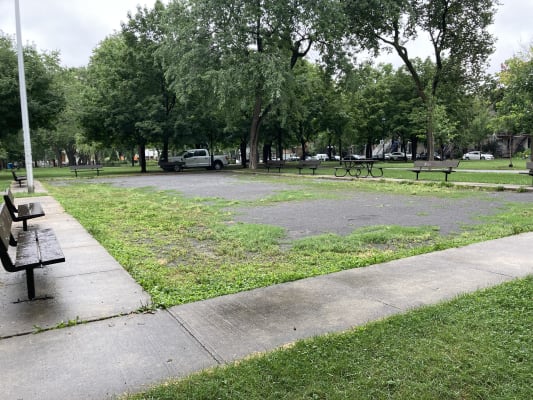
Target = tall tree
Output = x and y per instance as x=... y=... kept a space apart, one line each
x=127 y=102
x=144 y=34
x=456 y=31
x=515 y=108
x=45 y=96
x=256 y=45
x=67 y=132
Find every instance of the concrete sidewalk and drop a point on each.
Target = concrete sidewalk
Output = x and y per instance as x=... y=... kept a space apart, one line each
x=119 y=350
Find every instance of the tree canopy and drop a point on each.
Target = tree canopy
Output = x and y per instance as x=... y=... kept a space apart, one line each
x=456 y=31
x=44 y=93
x=243 y=73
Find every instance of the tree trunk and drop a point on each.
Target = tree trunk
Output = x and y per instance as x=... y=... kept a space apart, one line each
x=244 y=162
x=368 y=149
x=254 y=133
x=142 y=155
x=430 y=130
x=164 y=152
x=280 y=144
x=267 y=151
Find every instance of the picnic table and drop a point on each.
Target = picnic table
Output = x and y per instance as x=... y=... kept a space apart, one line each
x=359 y=168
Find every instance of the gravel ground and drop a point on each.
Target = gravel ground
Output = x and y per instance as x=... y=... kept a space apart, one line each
x=341 y=216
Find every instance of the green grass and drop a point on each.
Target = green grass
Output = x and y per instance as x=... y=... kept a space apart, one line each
x=477 y=346
x=182 y=250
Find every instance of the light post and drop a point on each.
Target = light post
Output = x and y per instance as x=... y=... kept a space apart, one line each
x=383 y=140
x=24 y=105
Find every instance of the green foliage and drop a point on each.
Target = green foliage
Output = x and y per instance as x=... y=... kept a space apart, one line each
x=244 y=51
x=44 y=93
x=514 y=109
x=457 y=31
x=475 y=346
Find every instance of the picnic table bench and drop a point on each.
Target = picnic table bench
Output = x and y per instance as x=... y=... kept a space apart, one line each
x=88 y=167
x=18 y=178
x=279 y=164
x=23 y=212
x=311 y=164
x=34 y=249
x=529 y=166
x=359 y=168
x=446 y=167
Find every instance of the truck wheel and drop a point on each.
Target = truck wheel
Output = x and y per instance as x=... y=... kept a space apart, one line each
x=177 y=168
x=217 y=166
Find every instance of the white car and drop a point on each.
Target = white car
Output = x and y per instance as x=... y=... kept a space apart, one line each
x=477 y=155
x=395 y=156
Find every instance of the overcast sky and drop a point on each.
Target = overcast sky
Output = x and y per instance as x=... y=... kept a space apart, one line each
x=75 y=27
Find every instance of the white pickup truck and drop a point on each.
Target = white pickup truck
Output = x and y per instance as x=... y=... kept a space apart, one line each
x=195 y=158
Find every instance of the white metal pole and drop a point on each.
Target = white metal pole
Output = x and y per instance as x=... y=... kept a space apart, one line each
x=24 y=105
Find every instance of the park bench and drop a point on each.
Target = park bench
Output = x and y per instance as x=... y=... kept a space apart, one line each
x=446 y=167
x=84 y=168
x=23 y=212
x=279 y=164
x=34 y=249
x=311 y=164
x=529 y=166
x=18 y=178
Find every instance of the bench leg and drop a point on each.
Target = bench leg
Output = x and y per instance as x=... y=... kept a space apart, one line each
x=30 y=283
x=25 y=225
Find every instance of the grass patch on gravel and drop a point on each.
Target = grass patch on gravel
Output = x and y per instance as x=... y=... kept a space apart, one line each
x=182 y=250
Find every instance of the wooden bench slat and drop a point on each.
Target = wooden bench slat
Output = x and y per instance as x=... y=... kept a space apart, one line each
x=27 y=251
x=84 y=168
x=23 y=212
x=18 y=178
x=49 y=248
x=274 y=164
x=311 y=164
x=30 y=210
x=445 y=167
x=34 y=249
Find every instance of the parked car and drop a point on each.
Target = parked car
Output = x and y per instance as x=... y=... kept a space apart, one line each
x=292 y=157
x=354 y=157
x=424 y=156
x=477 y=155
x=194 y=158
x=395 y=156
x=322 y=157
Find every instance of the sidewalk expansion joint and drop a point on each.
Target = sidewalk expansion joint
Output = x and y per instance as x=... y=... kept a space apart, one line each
x=212 y=352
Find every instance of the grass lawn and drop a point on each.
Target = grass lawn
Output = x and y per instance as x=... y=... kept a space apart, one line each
x=184 y=249
x=179 y=249
x=478 y=346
